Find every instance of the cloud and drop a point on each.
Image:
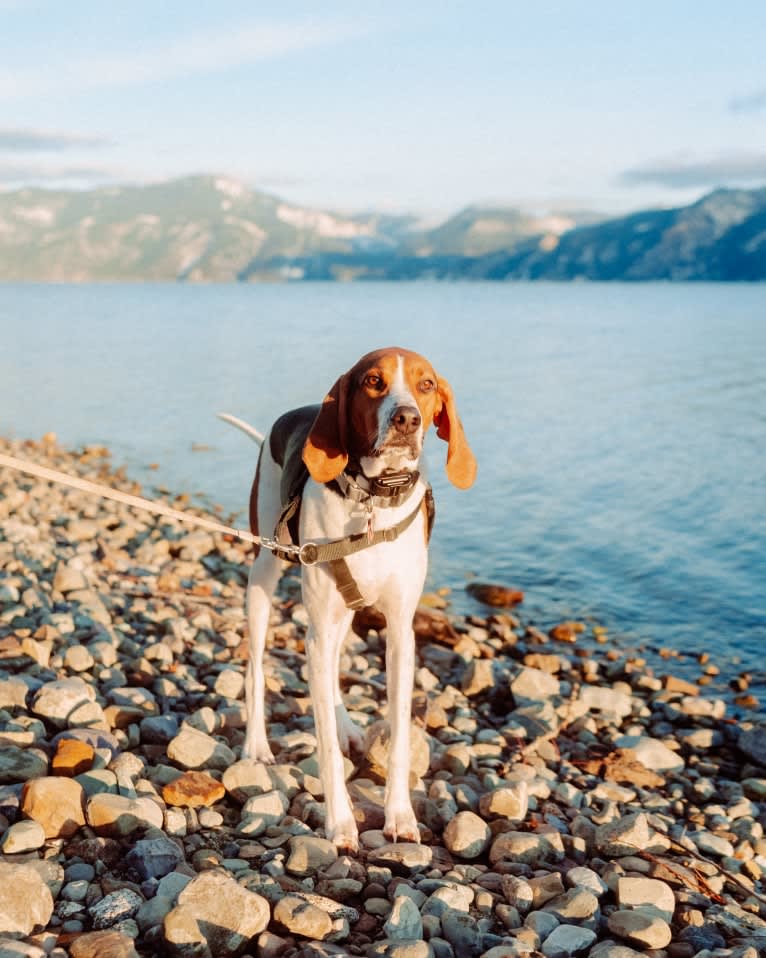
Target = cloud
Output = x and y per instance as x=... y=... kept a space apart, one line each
x=189 y=55
x=18 y=174
x=749 y=103
x=35 y=140
x=687 y=173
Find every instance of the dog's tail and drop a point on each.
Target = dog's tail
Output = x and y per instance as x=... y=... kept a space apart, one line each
x=246 y=428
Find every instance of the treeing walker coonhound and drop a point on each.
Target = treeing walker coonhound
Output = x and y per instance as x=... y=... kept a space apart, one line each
x=362 y=450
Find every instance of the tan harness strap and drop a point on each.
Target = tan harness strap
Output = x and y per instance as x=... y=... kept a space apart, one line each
x=313 y=552
x=346 y=584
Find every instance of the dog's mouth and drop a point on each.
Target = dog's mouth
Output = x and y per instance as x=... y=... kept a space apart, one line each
x=398 y=445
x=394 y=444
x=395 y=455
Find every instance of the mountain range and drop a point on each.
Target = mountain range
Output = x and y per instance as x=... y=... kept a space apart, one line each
x=216 y=229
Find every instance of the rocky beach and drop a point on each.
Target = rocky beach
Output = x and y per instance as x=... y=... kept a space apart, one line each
x=573 y=798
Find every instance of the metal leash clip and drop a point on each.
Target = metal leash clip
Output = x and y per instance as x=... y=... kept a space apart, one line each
x=273 y=545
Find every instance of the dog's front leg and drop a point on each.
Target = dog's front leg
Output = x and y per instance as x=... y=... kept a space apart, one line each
x=400 y=822
x=264 y=574
x=340 y=826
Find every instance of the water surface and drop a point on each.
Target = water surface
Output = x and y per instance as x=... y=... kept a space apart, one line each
x=619 y=429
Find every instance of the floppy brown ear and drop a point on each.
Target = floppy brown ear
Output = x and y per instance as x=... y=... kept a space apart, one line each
x=461 y=465
x=325 y=452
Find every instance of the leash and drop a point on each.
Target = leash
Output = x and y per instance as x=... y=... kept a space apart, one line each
x=307 y=554
x=137 y=502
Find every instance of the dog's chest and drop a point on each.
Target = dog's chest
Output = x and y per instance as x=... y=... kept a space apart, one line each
x=387 y=566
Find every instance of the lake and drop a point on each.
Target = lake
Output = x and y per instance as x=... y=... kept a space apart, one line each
x=620 y=430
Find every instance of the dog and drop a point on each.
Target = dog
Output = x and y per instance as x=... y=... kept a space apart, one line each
x=353 y=465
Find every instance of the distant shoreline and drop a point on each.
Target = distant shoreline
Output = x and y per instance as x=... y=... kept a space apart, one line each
x=213 y=229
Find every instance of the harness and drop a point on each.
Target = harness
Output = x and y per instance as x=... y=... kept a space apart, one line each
x=381 y=492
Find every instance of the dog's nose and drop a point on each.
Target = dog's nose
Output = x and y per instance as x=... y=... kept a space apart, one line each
x=405 y=419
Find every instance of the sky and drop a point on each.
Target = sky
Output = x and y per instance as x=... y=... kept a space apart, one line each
x=423 y=107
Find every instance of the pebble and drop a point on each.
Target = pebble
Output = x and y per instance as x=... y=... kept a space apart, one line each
x=302 y=918
x=752 y=743
x=642 y=928
x=567 y=940
x=114 y=908
x=406 y=857
x=72 y=757
x=22 y=837
x=309 y=854
x=711 y=844
x=214 y=915
x=633 y=892
x=404 y=920
x=193 y=749
x=624 y=836
x=527 y=847
x=118 y=815
x=651 y=753
x=504 y=802
x=193 y=790
x=56 y=803
x=58 y=701
x=26 y=903
x=533 y=685
x=154 y=857
x=575 y=907
x=478 y=677
x=400 y=949
x=467 y=835
x=103 y=944
x=130 y=824
x=376 y=749
x=491 y=593
x=20 y=764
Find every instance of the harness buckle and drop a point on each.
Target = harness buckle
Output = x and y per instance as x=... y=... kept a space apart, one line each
x=307 y=553
x=395 y=480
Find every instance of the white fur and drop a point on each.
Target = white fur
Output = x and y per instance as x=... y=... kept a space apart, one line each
x=390 y=576
x=394 y=459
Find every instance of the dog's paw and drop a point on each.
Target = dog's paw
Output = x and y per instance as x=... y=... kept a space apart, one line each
x=401 y=826
x=258 y=753
x=344 y=836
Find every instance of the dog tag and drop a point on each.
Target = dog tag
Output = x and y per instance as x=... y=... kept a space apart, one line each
x=370 y=528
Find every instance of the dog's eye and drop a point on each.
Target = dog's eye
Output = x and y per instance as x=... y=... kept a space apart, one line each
x=426 y=385
x=373 y=381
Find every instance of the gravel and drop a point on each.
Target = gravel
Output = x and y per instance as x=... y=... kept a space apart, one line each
x=570 y=801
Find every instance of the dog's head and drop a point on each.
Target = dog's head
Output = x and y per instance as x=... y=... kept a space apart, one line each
x=377 y=414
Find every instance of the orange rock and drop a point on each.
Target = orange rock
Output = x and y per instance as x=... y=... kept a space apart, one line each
x=368 y=618
x=56 y=803
x=72 y=757
x=494 y=595
x=566 y=631
x=672 y=683
x=193 y=789
x=747 y=701
x=435 y=717
x=100 y=944
x=434 y=626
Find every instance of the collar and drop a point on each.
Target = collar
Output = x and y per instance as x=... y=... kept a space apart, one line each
x=390 y=489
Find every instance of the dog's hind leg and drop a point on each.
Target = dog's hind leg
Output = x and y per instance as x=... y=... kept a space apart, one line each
x=261 y=583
